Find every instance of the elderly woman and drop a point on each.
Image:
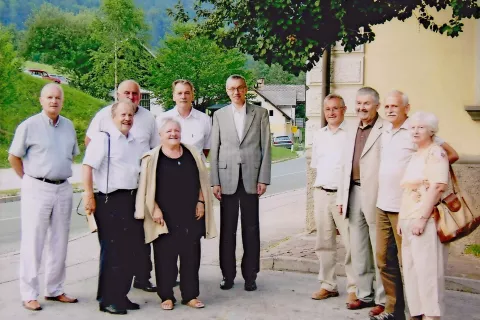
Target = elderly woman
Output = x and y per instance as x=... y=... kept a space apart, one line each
x=424 y=256
x=175 y=200
x=112 y=162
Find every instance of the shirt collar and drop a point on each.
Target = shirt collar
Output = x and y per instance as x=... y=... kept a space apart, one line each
x=340 y=127
x=405 y=126
x=371 y=124
x=50 y=121
x=116 y=134
x=242 y=110
x=191 y=114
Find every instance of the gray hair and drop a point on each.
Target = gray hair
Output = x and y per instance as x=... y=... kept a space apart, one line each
x=334 y=96
x=128 y=81
x=401 y=94
x=427 y=118
x=368 y=91
x=122 y=101
x=236 y=77
x=51 y=85
x=167 y=120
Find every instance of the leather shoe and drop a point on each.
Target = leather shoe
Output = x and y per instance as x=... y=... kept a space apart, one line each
x=147 y=286
x=359 y=304
x=32 y=305
x=351 y=297
x=112 y=309
x=129 y=305
x=226 y=284
x=62 y=298
x=250 y=286
x=375 y=311
x=324 y=294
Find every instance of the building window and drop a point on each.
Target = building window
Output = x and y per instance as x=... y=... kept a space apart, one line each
x=270 y=113
x=145 y=100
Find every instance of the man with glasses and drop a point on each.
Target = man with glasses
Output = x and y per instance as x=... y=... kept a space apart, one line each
x=240 y=172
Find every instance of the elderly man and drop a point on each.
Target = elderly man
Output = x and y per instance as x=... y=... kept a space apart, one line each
x=397 y=149
x=41 y=154
x=196 y=125
x=145 y=131
x=357 y=198
x=327 y=155
x=240 y=172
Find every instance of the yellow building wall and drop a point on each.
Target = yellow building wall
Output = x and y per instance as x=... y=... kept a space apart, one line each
x=438 y=73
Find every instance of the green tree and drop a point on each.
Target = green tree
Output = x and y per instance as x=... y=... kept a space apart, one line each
x=296 y=33
x=198 y=59
x=274 y=74
x=9 y=67
x=121 y=30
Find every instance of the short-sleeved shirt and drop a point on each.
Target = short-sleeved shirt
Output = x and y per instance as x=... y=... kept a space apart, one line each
x=426 y=167
x=144 y=128
x=196 y=127
x=327 y=156
x=397 y=149
x=47 y=149
x=125 y=154
x=360 y=140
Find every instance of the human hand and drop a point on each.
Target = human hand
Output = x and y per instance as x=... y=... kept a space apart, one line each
x=399 y=230
x=200 y=210
x=89 y=203
x=418 y=226
x=261 y=188
x=217 y=192
x=158 y=216
x=340 y=209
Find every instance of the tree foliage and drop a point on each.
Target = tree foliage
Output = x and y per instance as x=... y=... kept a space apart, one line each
x=198 y=59
x=295 y=33
x=274 y=74
x=9 y=67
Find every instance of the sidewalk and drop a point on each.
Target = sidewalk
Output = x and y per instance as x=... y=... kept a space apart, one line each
x=297 y=253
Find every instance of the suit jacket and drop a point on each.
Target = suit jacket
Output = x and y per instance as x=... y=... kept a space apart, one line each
x=369 y=167
x=252 y=151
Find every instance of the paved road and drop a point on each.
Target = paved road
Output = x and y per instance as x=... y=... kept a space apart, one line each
x=288 y=175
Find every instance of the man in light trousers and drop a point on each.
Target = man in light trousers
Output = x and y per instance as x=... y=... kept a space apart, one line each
x=41 y=154
x=327 y=155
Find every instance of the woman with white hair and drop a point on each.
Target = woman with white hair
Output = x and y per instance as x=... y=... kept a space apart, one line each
x=423 y=255
x=175 y=200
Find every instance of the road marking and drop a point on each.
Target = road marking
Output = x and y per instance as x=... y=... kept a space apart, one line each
x=288 y=174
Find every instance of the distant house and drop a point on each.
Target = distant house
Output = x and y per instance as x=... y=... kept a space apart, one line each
x=147 y=101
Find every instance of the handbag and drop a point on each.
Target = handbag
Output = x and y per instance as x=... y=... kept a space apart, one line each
x=92 y=224
x=453 y=215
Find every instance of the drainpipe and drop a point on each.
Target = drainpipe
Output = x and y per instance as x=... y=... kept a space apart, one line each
x=326 y=59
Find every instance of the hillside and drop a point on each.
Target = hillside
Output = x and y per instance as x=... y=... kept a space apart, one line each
x=78 y=107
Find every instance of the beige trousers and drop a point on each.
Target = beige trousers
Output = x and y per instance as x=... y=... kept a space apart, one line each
x=327 y=221
x=424 y=259
x=46 y=210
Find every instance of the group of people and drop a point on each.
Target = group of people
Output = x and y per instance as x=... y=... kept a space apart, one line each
x=377 y=184
x=152 y=190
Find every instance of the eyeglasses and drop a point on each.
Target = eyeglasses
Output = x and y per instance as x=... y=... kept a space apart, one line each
x=239 y=89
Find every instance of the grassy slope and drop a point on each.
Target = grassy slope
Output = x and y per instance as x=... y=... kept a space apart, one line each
x=279 y=154
x=78 y=107
x=41 y=66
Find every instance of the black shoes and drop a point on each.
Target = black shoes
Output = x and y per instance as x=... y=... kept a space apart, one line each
x=384 y=316
x=112 y=309
x=226 y=284
x=147 y=286
x=250 y=285
x=129 y=305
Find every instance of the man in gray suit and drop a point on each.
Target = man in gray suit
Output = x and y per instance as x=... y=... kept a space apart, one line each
x=240 y=167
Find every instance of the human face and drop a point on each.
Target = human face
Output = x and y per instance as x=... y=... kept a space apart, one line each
x=366 y=108
x=52 y=101
x=183 y=95
x=123 y=118
x=129 y=90
x=237 y=91
x=421 y=133
x=334 y=112
x=171 y=134
x=395 y=110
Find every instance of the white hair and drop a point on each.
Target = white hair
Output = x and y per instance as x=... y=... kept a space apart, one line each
x=51 y=85
x=426 y=118
x=167 y=120
x=401 y=94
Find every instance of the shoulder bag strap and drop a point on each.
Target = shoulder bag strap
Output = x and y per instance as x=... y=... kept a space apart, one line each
x=108 y=163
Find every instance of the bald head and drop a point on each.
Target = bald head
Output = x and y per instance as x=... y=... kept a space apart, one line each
x=130 y=90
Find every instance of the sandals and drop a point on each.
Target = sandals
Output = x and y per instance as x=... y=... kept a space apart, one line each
x=167 y=305
x=194 y=303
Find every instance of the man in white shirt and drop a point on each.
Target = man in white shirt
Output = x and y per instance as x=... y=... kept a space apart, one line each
x=196 y=125
x=145 y=131
x=397 y=149
x=327 y=155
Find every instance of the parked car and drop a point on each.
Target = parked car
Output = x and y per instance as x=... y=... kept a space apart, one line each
x=42 y=74
x=282 y=141
x=63 y=80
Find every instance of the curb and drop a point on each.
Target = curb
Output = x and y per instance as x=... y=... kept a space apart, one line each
x=293 y=264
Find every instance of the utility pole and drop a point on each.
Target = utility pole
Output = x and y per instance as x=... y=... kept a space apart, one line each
x=326 y=62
